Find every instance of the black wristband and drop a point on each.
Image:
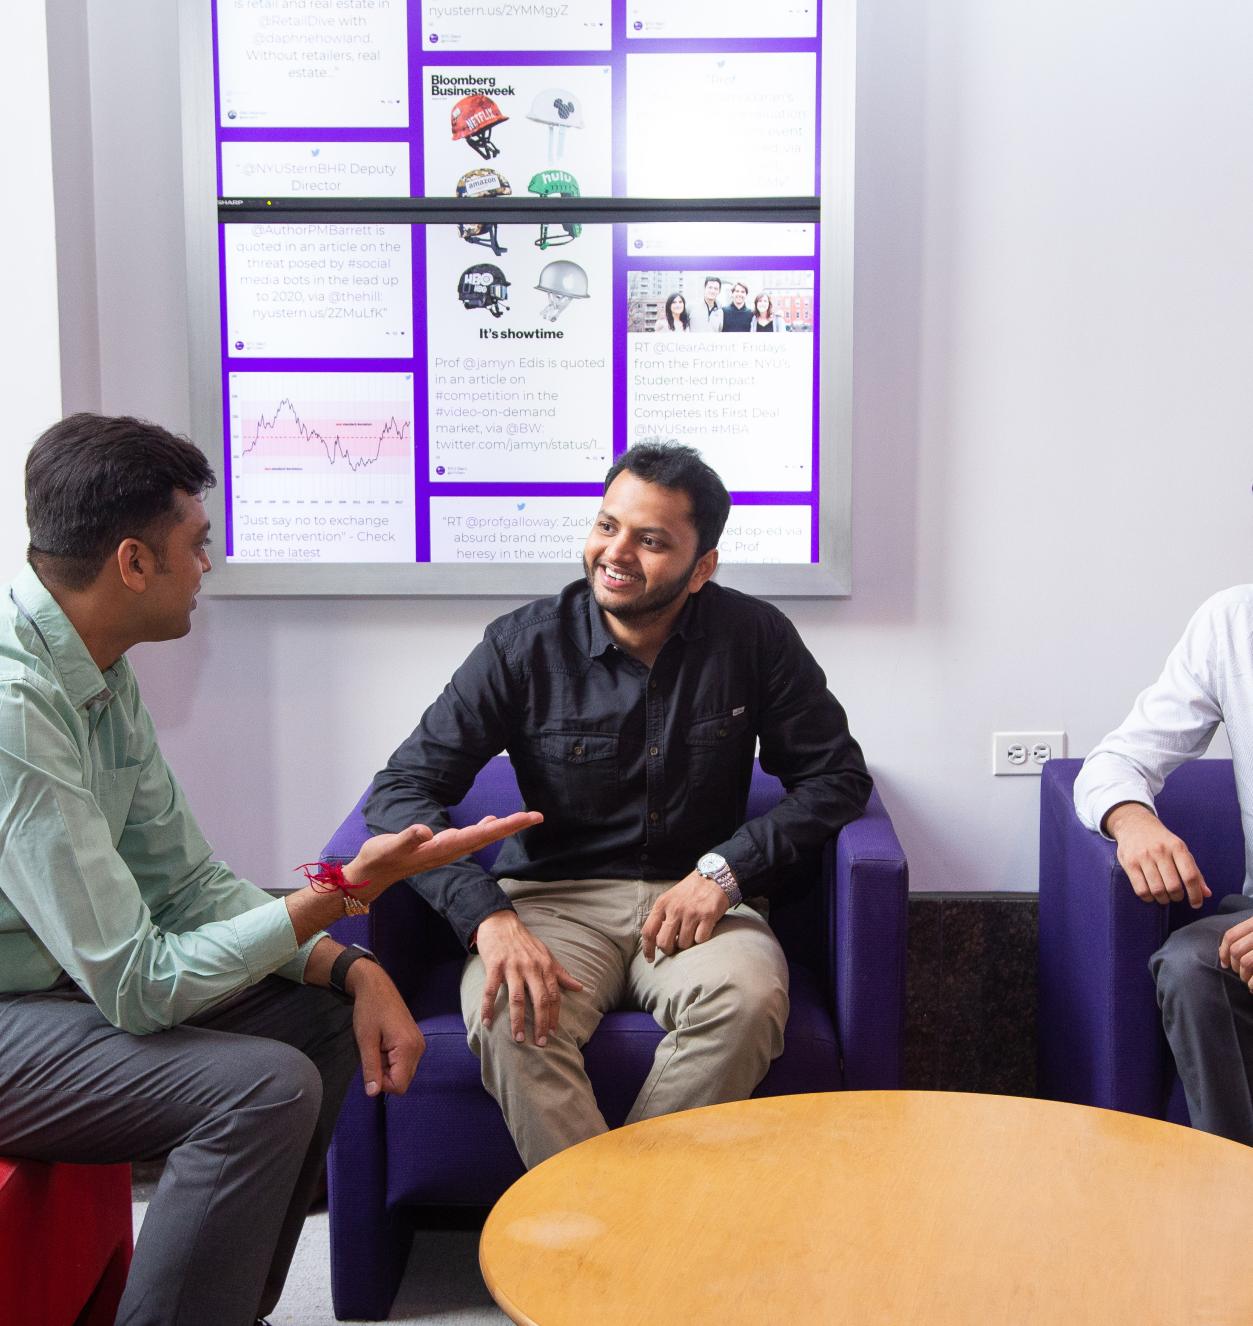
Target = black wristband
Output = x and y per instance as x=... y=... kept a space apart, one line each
x=338 y=978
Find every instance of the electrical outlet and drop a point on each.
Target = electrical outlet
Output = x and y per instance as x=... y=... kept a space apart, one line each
x=1025 y=752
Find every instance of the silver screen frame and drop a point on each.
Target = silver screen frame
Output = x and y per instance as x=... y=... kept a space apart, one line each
x=829 y=577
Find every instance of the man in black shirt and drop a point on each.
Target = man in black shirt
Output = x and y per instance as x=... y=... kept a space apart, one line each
x=631 y=705
x=737 y=316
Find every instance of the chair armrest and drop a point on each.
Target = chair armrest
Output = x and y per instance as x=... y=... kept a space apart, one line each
x=869 y=922
x=1100 y=1038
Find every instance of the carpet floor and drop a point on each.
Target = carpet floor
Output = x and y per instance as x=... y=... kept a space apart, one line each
x=442 y=1283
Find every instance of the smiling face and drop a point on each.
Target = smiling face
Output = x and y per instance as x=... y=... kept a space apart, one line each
x=677 y=306
x=641 y=554
x=713 y=288
x=763 y=306
x=739 y=294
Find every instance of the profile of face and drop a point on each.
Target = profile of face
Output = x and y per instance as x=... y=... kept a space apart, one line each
x=713 y=288
x=180 y=564
x=640 y=555
x=739 y=294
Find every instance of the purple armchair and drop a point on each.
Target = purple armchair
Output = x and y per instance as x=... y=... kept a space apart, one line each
x=444 y=1142
x=1100 y=1034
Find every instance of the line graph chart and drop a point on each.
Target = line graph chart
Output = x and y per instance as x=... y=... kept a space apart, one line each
x=309 y=451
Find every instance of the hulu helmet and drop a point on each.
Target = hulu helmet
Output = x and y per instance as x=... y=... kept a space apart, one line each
x=555 y=184
x=559 y=110
x=473 y=119
x=482 y=182
x=483 y=286
x=561 y=281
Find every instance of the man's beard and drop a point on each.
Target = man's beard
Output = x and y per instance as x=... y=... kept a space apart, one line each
x=652 y=603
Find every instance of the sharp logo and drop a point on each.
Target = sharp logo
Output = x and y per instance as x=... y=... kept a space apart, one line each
x=563 y=108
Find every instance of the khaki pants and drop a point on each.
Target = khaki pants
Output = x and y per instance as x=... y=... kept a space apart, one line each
x=722 y=1004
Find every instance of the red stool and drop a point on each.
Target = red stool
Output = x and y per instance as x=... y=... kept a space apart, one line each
x=65 y=1242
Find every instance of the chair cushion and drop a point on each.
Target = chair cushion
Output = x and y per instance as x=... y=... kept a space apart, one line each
x=452 y=1115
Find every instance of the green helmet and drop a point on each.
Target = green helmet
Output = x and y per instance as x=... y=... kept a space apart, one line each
x=555 y=184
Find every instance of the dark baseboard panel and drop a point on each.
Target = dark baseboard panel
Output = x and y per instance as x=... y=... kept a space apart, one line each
x=970 y=1019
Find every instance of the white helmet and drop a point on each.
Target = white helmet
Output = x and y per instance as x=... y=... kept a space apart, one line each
x=557 y=107
x=561 y=281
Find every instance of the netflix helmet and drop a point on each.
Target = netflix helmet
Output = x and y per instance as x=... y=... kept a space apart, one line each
x=482 y=182
x=557 y=107
x=483 y=286
x=555 y=184
x=561 y=281
x=473 y=119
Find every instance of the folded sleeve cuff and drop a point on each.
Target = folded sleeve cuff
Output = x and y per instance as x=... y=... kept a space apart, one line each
x=1102 y=800
x=266 y=938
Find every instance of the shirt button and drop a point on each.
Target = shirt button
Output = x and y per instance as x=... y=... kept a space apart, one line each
x=578 y=750
x=654 y=750
x=653 y=817
x=652 y=685
x=722 y=732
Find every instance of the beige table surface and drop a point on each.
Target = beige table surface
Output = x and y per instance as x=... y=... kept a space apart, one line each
x=880 y=1207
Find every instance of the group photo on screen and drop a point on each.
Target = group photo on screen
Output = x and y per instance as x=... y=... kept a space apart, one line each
x=714 y=301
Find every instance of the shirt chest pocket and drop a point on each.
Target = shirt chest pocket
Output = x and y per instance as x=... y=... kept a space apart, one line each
x=718 y=735
x=577 y=769
x=114 y=791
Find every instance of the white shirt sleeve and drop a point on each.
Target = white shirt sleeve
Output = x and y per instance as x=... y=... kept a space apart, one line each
x=1172 y=721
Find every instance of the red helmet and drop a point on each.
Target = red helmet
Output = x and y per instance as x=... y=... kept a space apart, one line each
x=472 y=119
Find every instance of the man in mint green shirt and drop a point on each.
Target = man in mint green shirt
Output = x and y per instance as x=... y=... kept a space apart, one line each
x=152 y=1002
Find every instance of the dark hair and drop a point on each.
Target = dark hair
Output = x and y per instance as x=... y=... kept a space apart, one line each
x=685 y=317
x=675 y=466
x=92 y=481
x=713 y=278
x=764 y=294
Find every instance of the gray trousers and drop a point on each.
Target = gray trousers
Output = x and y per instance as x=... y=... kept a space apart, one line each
x=243 y=1099
x=1207 y=1014
x=722 y=1004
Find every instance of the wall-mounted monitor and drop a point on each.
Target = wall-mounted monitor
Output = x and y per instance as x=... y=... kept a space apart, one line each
x=448 y=260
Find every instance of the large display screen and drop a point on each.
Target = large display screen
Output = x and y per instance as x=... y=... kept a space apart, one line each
x=435 y=395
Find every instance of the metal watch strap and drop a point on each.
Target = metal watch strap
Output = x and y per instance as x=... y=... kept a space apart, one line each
x=726 y=881
x=338 y=978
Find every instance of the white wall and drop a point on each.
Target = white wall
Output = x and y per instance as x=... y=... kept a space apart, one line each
x=30 y=377
x=1053 y=416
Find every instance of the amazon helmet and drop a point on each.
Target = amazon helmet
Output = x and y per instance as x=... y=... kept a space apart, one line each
x=555 y=184
x=483 y=286
x=473 y=119
x=561 y=281
x=482 y=182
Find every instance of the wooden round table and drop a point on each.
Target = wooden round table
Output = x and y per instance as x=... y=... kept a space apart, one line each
x=880 y=1207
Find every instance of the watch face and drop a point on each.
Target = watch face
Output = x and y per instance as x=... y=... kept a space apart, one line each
x=711 y=863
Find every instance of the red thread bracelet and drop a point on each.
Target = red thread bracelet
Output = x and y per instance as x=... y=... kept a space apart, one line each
x=329 y=877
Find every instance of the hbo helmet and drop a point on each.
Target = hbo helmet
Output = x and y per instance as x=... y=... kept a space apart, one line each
x=555 y=184
x=482 y=182
x=472 y=119
x=557 y=107
x=561 y=281
x=483 y=286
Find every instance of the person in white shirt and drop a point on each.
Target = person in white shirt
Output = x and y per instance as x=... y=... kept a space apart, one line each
x=1204 y=971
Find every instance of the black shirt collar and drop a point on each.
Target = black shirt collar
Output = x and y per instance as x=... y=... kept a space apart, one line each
x=690 y=625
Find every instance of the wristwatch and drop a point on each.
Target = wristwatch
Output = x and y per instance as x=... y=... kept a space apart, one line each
x=338 y=979
x=714 y=866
